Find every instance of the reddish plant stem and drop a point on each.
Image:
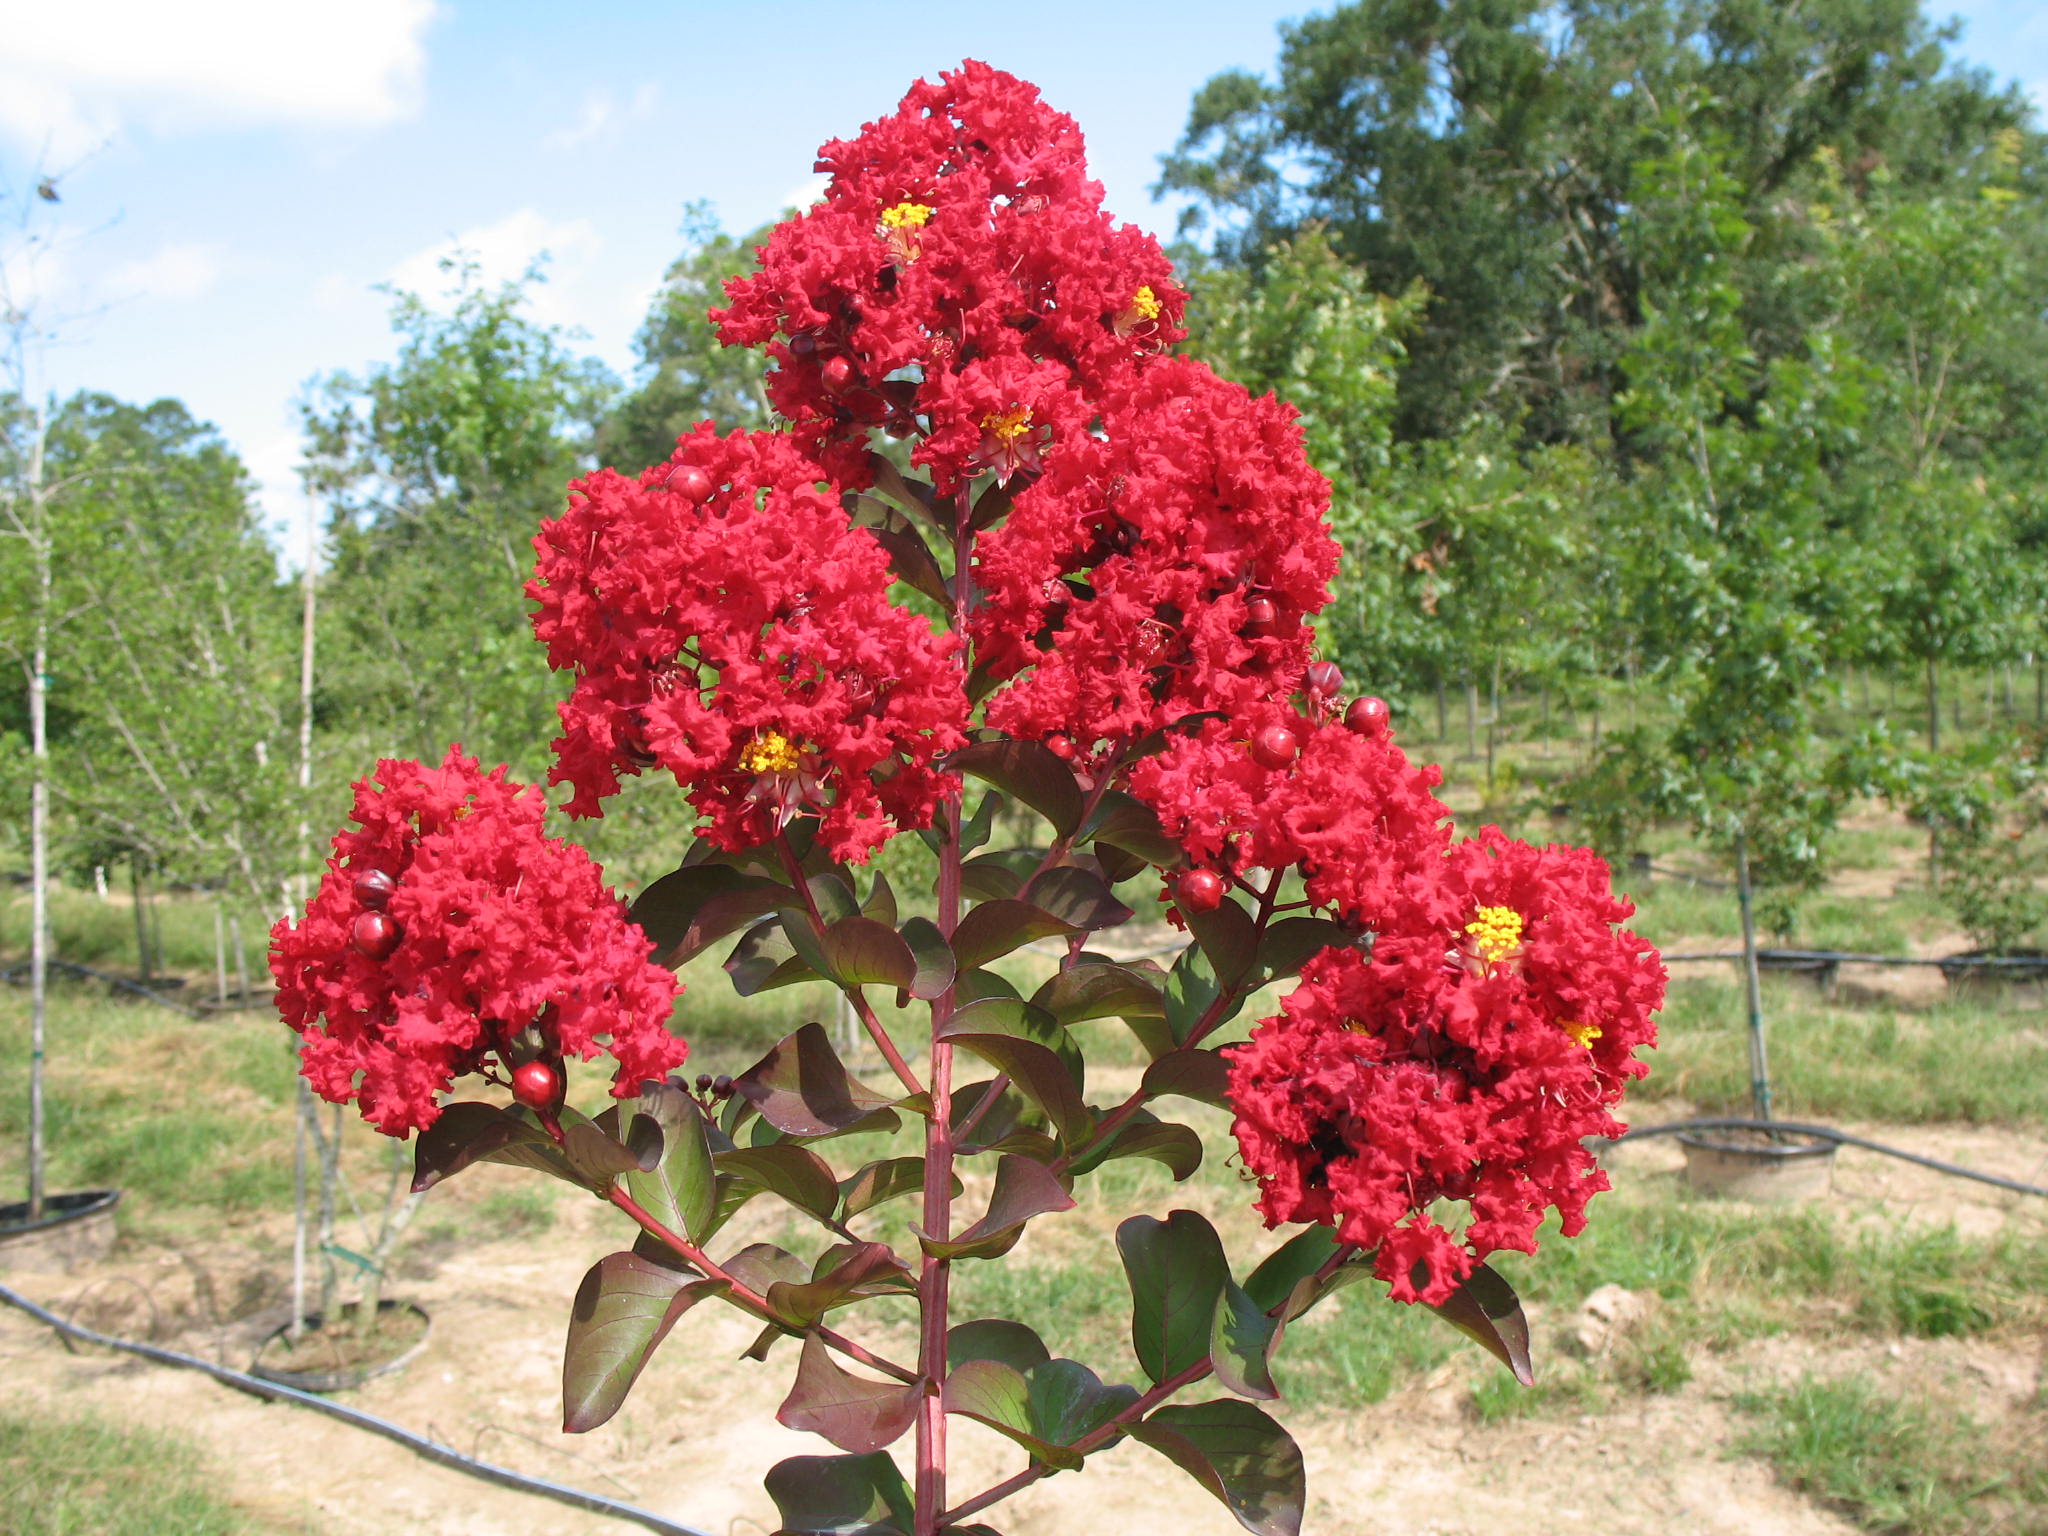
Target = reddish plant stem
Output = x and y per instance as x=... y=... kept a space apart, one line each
x=1062 y=845
x=746 y=1298
x=867 y=1016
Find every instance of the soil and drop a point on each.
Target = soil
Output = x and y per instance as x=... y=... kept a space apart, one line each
x=345 y=1345
x=699 y=1431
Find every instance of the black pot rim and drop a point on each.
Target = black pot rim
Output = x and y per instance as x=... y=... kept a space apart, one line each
x=355 y=1376
x=58 y=1210
x=1812 y=1147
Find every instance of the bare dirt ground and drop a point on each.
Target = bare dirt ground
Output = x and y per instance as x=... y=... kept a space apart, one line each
x=699 y=1430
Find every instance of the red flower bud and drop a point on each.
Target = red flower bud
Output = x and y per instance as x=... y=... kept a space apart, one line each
x=837 y=375
x=375 y=935
x=373 y=889
x=537 y=1085
x=690 y=482
x=1325 y=679
x=1059 y=746
x=1260 y=618
x=1275 y=747
x=1199 y=890
x=1368 y=716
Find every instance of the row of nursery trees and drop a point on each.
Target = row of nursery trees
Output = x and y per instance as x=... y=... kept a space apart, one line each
x=1689 y=356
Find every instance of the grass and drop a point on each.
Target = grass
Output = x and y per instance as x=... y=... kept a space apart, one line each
x=79 y=1475
x=1913 y=1469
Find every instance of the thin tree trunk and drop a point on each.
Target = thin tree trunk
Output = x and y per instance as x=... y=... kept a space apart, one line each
x=38 y=818
x=1933 y=706
x=241 y=959
x=1471 y=718
x=1545 y=747
x=141 y=916
x=1759 y=1061
x=1443 y=726
x=220 y=957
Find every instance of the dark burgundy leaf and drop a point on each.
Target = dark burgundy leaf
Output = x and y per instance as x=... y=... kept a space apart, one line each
x=801 y=1087
x=840 y=1496
x=1026 y=771
x=1239 y=1454
x=624 y=1308
x=854 y=1413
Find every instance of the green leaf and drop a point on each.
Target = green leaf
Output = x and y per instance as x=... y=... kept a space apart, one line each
x=976 y=829
x=853 y=1412
x=795 y=1173
x=880 y=1182
x=1241 y=1343
x=936 y=966
x=1100 y=990
x=1040 y=1058
x=1068 y=1401
x=1290 y=943
x=1177 y=1272
x=677 y=1191
x=995 y=1338
x=1191 y=988
x=1077 y=897
x=1026 y=771
x=1023 y=1189
x=1178 y=1148
x=598 y=1158
x=881 y=902
x=463 y=1133
x=844 y=1273
x=832 y=894
x=994 y=928
x=1288 y=1265
x=1195 y=1073
x=1239 y=1454
x=624 y=1308
x=910 y=558
x=764 y=959
x=761 y=1266
x=840 y=1496
x=1229 y=937
x=861 y=951
x=690 y=909
x=1128 y=823
x=802 y=1088
x=1044 y=1406
x=999 y=873
x=1486 y=1310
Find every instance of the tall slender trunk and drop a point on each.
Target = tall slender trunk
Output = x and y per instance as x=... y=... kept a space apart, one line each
x=1759 y=1062
x=1443 y=712
x=38 y=817
x=1933 y=706
x=1471 y=717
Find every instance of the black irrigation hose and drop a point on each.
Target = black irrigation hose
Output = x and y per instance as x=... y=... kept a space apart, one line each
x=1829 y=1133
x=432 y=1450
x=14 y=974
x=1844 y=957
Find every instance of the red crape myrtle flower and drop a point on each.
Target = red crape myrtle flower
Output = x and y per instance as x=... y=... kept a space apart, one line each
x=745 y=642
x=1461 y=1061
x=959 y=282
x=492 y=927
x=1163 y=567
x=1350 y=813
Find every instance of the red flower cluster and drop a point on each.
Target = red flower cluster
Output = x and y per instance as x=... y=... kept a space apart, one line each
x=446 y=925
x=726 y=622
x=1161 y=568
x=1342 y=806
x=1465 y=1060
x=959 y=282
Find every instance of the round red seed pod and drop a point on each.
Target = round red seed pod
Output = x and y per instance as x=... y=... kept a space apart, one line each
x=373 y=889
x=837 y=374
x=1368 y=716
x=1059 y=746
x=1260 y=618
x=1275 y=747
x=691 y=483
x=1199 y=890
x=1325 y=679
x=375 y=935
x=537 y=1085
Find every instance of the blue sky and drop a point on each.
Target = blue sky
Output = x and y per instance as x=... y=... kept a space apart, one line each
x=240 y=174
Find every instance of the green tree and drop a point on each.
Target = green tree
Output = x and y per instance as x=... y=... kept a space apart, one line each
x=436 y=470
x=688 y=376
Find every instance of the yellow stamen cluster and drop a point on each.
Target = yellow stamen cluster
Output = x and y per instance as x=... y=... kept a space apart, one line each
x=1007 y=426
x=1583 y=1035
x=771 y=753
x=906 y=216
x=1145 y=303
x=1496 y=933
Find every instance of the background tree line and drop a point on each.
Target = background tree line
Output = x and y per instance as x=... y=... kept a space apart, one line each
x=1674 y=361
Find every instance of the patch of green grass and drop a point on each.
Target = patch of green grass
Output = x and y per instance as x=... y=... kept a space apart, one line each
x=78 y=1475
x=517 y=1210
x=1960 y=1061
x=1913 y=1469
x=1497 y=1397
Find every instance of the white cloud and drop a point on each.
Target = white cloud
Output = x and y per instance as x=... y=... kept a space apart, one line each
x=503 y=252
x=71 y=74
x=602 y=116
x=805 y=192
x=173 y=272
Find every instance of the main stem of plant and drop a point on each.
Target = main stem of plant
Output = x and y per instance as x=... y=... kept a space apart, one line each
x=1759 y=1063
x=38 y=816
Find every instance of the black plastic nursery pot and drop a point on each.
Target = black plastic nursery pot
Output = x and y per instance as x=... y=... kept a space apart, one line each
x=1770 y=1168
x=318 y=1361
x=74 y=1229
x=1987 y=975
